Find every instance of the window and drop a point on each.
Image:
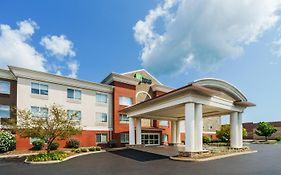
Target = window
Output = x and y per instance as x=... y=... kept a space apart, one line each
x=39 y=111
x=124 y=118
x=32 y=139
x=164 y=138
x=74 y=114
x=101 y=138
x=126 y=101
x=124 y=138
x=102 y=117
x=164 y=123
x=74 y=94
x=4 y=111
x=5 y=87
x=37 y=88
x=101 y=98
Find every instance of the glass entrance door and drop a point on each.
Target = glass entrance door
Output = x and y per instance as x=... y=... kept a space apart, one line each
x=150 y=138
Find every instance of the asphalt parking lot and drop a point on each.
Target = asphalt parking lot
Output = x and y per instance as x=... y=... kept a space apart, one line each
x=131 y=162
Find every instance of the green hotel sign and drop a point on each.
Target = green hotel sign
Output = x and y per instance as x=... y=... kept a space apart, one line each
x=142 y=78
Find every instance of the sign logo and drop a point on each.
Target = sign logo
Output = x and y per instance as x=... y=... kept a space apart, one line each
x=142 y=78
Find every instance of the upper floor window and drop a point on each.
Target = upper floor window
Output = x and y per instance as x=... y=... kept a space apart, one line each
x=5 y=87
x=74 y=114
x=102 y=117
x=164 y=123
x=101 y=98
x=5 y=111
x=124 y=118
x=39 y=111
x=38 y=88
x=74 y=94
x=126 y=101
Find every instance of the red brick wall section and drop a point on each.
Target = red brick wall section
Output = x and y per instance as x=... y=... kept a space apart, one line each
x=121 y=89
x=86 y=138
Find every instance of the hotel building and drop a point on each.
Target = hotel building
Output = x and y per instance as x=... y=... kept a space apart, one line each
x=98 y=105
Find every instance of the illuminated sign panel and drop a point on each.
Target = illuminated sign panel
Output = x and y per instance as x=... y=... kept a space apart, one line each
x=142 y=78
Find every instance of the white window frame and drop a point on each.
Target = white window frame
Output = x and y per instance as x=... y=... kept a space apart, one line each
x=72 y=112
x=2 y=82
x=126 y=137
x=6 y=108
x=74 y=94
x=125 y=104
x=102 y=134
x=102 y=94
x=123 y=121
x=99 y=117
x=39 y=88
x=40 y=111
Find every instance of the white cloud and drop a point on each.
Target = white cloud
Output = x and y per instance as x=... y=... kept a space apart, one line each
x=73 y=66
x=277 y=47
x=15 y=49
x=206 y=31
x=58 y=46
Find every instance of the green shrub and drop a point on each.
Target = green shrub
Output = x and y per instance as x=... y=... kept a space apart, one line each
x=57 y=155
x=84 y=150
x=54 y=146
x=72 y=143
x=92 y=149
x=38 y=144
x=278 y=138
x=206 y=139
x=77 y=150
x=98 y=148
x=7 y=141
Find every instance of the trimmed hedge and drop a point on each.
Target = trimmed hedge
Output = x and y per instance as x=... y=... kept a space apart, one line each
x=38 y=144
x=57 y=155
x=72 y=143
x=54 y=146
x=7 y=141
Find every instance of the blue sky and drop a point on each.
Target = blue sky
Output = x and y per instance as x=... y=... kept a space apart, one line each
x=177 y=40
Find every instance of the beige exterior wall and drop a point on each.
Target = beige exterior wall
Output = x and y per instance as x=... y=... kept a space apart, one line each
x=57 y=94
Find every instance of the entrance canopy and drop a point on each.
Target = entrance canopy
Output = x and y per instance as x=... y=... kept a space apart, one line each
x=217 y=96
x=201 y=98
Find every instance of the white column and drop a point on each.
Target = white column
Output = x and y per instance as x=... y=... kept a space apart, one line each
x=240 y=131
x=138 y=130
x=189 y=127
x=174 y=132
x=131 y=131
x=198 y=127
x=234 y=130
x=178 y=132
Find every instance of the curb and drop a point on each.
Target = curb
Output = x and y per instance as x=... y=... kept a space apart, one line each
x=16 y=155
x=59 y=161
x=116 y=149
x=212 y=158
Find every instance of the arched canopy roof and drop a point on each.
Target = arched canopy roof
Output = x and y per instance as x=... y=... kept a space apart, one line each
x=222 y=86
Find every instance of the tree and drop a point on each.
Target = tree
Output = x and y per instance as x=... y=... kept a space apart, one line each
x=56 y=125
x=224 y=133
x=265 y=129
